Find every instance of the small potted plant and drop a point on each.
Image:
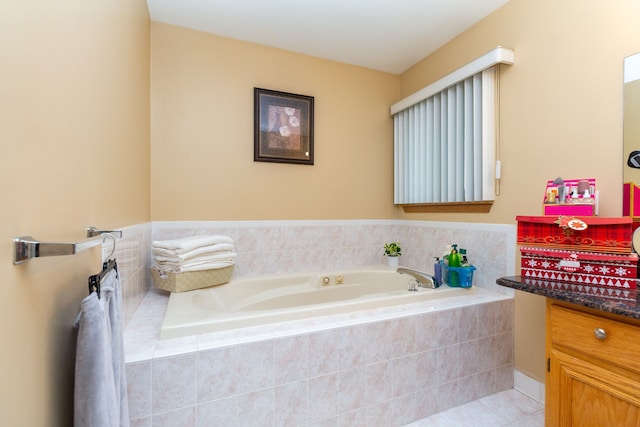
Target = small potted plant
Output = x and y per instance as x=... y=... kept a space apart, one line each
x=392 y=251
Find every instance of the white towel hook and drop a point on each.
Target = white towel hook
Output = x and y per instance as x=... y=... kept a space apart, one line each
x=113 y=248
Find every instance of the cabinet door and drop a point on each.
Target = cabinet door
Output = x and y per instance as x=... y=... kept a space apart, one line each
x=586 y=395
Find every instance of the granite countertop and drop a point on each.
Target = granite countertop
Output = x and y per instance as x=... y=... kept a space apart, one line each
x=624 y=302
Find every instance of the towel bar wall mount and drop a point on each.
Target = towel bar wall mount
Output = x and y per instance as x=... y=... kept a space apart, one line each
x=26 y=247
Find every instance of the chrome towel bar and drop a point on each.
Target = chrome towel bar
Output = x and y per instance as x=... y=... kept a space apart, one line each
x=26 y=247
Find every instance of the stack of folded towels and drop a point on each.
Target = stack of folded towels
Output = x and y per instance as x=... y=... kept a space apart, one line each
x=194 y=253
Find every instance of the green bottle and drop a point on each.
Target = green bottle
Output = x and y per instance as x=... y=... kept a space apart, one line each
x=455 y=260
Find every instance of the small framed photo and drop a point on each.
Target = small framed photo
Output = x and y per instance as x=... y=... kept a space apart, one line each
x=283 y=127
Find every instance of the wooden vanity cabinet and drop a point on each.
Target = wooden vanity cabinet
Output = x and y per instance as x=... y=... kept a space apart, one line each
x=593 y=368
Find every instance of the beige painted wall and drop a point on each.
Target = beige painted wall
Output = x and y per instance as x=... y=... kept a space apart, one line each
x=202 y=133
x=74 y=135
x=561 y=113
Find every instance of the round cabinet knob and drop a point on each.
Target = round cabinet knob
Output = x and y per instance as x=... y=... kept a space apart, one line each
x=325 y=281
x=600 y=333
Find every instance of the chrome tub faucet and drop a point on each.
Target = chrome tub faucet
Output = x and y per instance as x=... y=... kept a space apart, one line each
x=425 y=280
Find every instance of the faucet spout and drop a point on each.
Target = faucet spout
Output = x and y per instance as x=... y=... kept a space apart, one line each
x=424 y=279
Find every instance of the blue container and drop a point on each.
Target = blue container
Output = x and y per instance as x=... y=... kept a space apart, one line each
x=457 y=276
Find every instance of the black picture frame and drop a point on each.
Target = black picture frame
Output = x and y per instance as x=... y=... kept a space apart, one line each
x=283 y=127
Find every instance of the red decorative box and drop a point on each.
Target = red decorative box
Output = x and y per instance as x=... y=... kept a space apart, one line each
x=589 y=268
x=611 y=235
x=613 y=294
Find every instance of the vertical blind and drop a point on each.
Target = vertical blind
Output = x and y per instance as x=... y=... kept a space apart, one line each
x=444 y=145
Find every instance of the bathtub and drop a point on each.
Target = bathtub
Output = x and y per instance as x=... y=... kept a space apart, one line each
x=258 y=300
x=357 y=353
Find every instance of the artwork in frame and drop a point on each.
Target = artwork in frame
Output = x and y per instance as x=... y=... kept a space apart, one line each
x=283 y=127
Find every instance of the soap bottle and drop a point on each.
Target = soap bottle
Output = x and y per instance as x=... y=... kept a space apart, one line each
x=454 y=261
x=454 y=257
x=437 y=272
x=464 y=262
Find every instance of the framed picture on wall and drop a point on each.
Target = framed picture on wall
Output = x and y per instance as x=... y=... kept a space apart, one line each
x=283 y=127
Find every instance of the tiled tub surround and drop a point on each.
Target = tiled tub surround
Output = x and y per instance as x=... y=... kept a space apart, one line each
x=382 y=367
x=377 y=367
x=266 y=247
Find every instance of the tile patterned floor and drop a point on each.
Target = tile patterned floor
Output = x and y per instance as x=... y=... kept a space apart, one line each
x=505 y=409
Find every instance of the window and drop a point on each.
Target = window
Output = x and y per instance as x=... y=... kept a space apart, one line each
x=445 y=139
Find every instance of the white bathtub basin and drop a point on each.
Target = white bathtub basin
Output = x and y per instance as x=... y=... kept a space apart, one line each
x=258 y=300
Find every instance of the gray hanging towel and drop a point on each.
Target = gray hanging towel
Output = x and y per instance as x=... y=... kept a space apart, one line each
x=100 y=394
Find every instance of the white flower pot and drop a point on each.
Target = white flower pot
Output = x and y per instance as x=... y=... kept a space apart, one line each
x=393 y=261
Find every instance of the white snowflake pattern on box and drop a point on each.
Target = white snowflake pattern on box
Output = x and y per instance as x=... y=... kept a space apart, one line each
x=588 y=268
x=613 y=294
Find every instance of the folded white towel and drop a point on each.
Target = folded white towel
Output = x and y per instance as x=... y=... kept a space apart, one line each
x=204 y=250
x=194 y=267
x=222 y=256
x=190 y=243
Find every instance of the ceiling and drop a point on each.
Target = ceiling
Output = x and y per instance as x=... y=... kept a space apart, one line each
x=385 y=35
